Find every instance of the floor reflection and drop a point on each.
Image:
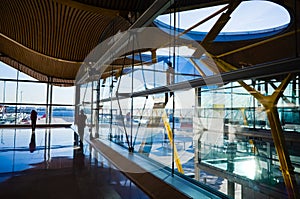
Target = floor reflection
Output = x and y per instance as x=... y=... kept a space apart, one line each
x=32 y=144
x=54 y=167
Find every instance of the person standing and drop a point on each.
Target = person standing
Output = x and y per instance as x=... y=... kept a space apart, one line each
x=81 y=125
x=33 y=117
x=128 y=118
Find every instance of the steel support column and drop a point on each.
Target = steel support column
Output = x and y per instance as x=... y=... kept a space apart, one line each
x=216 y=29
x=269 y=103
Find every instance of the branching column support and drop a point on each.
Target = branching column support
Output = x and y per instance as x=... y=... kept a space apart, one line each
x=269 y=103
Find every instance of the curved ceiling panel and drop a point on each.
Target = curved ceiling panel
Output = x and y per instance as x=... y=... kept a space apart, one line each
x=53 y=37
x=55 y=29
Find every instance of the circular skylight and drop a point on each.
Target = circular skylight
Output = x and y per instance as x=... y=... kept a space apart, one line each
x=249 y=16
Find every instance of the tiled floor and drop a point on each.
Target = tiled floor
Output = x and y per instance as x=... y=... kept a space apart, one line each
x=57 y=169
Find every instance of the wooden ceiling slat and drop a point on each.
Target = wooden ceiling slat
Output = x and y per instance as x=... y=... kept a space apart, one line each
x=43 y=31
x=85 y=32
x=85 y=19
x=7 y=20
x=56 y=26
x=26 y=25
x=51 y=23
x=20 y=22
x=47 y=25
x=63 y=41
x=69 y=27
x=85 y=6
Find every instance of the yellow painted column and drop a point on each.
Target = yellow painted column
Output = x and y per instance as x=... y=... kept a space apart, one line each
x=269 y=103
x=170 y=136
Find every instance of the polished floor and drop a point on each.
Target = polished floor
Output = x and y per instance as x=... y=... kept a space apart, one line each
x=46 y=164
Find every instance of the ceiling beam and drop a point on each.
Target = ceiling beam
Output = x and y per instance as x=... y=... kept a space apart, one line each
x=257 y=71
x=157 y=8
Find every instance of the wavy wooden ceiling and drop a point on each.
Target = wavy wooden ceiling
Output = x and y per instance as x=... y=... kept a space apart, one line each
x=51 y=38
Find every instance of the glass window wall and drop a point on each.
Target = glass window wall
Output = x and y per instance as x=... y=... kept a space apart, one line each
x=19 y=94
x=219 y=135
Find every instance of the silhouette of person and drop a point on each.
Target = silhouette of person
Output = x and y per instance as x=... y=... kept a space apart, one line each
x=81 y=125
x=170 y=74
x=32 y=145
x=33 y=117
x=128 y=117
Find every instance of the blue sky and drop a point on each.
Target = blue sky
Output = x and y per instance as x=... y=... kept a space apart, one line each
x=250 y=15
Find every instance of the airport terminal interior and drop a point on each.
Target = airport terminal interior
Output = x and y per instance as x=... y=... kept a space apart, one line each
x=150 y=99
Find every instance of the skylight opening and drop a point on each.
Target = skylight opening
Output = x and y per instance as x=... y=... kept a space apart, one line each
x=249 y=16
